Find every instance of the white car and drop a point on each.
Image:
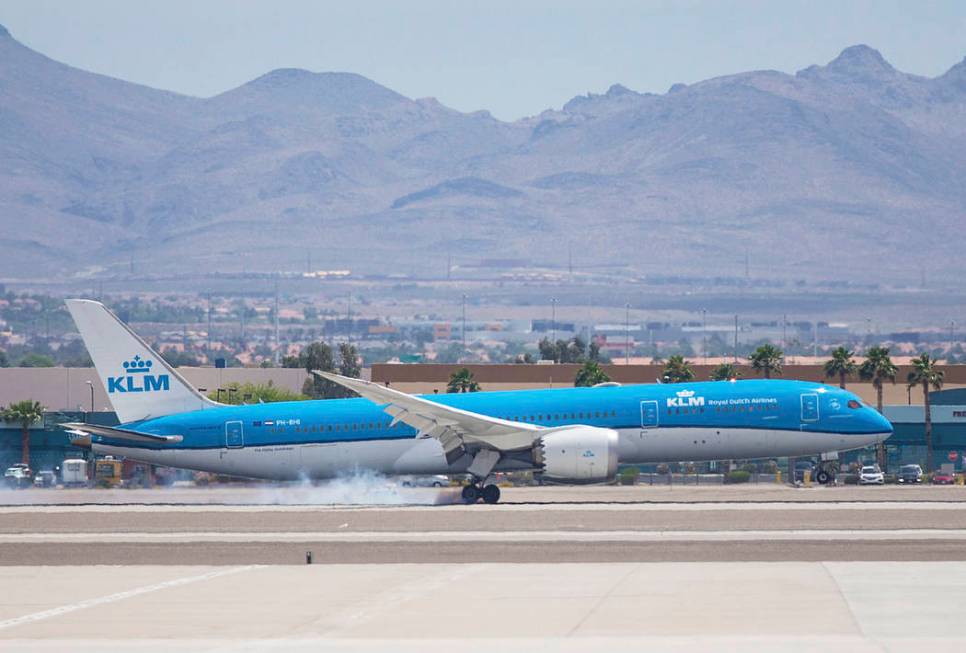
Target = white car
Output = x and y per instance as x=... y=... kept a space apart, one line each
x=871 y=475
x=424 y=481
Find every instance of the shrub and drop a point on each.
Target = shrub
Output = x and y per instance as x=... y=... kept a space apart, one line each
x=629 y=476
x=751 y=468
x=737 y=476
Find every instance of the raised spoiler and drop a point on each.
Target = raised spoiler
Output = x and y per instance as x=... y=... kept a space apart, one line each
x=82 y=434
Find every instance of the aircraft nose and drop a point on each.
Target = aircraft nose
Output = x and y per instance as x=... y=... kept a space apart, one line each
x=882 y=426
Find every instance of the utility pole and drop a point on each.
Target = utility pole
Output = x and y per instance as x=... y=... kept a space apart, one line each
x=704 y=334
x=348 y=318
x=784 y=331
x=736 y=339
x=208 y=352
x=570 y=262
x=553 y=319
x=463 y=328
x=627 y=334
x=815 y=341
x=277 y=343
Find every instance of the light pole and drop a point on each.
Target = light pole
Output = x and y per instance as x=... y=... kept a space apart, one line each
x=627 y=334
x=91 y=384
x=736 y=339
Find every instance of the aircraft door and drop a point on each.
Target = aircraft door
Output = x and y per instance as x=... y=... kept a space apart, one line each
x=649 y=415
x=810 y=407
x=234 y=435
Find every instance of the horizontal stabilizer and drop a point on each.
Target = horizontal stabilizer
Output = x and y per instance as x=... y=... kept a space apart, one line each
x=81 y=429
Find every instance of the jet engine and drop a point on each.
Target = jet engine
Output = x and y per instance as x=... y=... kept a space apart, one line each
x=578 y=454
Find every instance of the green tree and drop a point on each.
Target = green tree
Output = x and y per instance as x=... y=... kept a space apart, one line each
x=767 y=359
x=254 y=393
x=590 y=375
x=678 y=370
x=318 y=356
x=725 y=372
x=24 y=413
x=548 y=350
x=841 y=364
x=4 y=361
x=36 y=360
x=594 y=354
x=926 y=373
x=349 y=361
x=462 y=381
x=180 y=358
x=878 y=368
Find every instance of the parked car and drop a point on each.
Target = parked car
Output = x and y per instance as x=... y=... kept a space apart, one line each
x=942 y=478
x=45 y=478
x=18 y=476
x=424 y=481
x=909 y=474
x=871 y=475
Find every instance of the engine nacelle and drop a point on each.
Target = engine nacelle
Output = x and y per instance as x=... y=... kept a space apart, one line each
x=578 y=454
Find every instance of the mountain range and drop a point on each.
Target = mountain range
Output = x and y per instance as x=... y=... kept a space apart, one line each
x=848 y=170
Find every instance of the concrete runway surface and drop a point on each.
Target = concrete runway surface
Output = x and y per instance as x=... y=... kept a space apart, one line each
x=856 y=606
x=681 y=569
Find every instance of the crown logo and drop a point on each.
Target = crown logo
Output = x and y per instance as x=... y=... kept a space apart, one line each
x=137 y=365
x=686 y=393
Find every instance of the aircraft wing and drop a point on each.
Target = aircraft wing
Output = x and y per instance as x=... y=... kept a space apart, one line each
x=451 y=426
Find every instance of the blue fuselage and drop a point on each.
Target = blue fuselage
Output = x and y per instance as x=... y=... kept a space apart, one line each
x=693 y=421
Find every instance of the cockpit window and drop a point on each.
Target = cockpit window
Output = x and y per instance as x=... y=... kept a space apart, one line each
x=854 y=404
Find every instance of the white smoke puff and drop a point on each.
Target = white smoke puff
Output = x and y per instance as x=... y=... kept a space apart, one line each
x=359 y=487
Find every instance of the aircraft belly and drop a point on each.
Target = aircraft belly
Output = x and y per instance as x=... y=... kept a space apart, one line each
x=700 y=444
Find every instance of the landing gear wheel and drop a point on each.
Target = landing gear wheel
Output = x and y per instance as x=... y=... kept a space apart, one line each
x=823 y=477
x=470 y=494
x=491 y=494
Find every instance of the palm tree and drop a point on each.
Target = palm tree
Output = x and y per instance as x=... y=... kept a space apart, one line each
x=462 y=381
x=25 y=413
x=841 y=364
x=926 y=373
x=725 y=372
x=878 y=368
x=768 y=359
x=678 y=370
x=590 y=375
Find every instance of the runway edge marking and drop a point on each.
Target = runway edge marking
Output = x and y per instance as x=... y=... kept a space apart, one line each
x=119 y=596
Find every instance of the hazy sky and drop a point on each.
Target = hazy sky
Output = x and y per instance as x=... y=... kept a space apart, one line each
x=513 y=57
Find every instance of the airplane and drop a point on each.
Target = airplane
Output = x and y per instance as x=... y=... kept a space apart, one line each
x=569 y=435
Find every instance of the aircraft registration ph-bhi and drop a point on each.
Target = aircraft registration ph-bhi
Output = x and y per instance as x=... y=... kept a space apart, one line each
x=571 y=435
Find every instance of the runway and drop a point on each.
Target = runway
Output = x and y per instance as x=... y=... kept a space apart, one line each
x=831 y=569
x=553 y=524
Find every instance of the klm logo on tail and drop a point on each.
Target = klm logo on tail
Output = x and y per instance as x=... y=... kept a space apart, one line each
x=137 y=377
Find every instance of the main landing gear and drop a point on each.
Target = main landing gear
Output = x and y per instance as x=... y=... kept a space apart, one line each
x=474 y=492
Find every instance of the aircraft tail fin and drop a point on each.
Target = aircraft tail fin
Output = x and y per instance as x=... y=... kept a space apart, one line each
x=138 y=382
